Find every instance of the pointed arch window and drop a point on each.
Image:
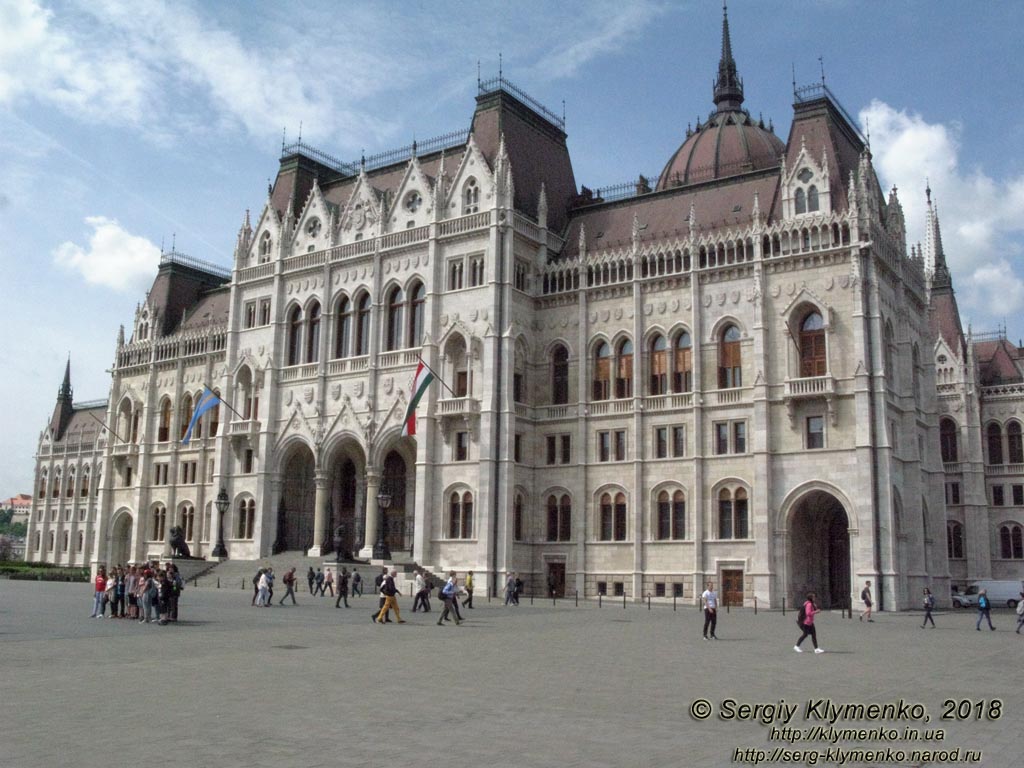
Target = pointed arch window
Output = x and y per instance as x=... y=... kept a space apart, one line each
x=602 y=371
x=1015 y=448
x=994 y=435
x=417 y=307
x=460 y=515
x=84 y=491
x=732 y=514
x=1011 y=542
x=800 y=201
x=517 y=518
x=560 y=375
x=395 y=301
x=188 y=521
x=55 y=488
x=812 y=199
x=730 y=368
x=470 y=197
x=158 y=522
x=246 y=521
x=343 y=329
x=185 y=416
x=682 y=364
x=313 y=334
x=362 y=346
x=294 y=347
x=813 y=360
x=659 y=366
x=948 y=440
x=266 y=245
x=559 y=518
x=215 y=414
x=915 y=372
x=889 y=351
x=624 y=369
x=42 y=484
x=164 y=432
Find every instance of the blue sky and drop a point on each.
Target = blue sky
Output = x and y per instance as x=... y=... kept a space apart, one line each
x=123 y=124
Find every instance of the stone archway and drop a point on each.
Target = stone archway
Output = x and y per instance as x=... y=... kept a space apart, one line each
x=399 y=520
x=297 y=508
x=819 y=550
x=120 y=549
x=347 y=498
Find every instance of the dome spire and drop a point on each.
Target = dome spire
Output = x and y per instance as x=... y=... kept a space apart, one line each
x=728 y=85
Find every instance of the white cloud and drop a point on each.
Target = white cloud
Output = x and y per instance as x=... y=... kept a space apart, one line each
x=114 y=257
x=981 y=216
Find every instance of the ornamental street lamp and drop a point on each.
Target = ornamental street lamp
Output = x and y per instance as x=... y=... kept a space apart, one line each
x=380 y=549
x=222 y=502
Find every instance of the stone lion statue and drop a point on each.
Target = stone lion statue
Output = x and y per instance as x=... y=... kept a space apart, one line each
x=179 y=547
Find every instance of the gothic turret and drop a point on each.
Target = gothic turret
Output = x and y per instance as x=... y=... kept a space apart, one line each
x=63 y=409
x=728 y=85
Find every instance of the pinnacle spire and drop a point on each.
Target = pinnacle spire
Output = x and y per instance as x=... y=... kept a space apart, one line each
x=728 y=85
x=935 y=256
x=65 y=387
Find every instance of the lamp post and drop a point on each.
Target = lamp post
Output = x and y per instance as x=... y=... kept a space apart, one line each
x=380 y=549
x=222 y=502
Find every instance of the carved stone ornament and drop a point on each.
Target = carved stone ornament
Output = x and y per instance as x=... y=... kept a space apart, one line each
x=389 y=385
x=335 y=392
x=288 y=397
x=358 y=389
x=307 y=394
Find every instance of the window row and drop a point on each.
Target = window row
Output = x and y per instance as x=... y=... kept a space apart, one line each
x=1011 y=541
x=208 y=424
x=65 y=542
x=998 y=495
x=68 y=485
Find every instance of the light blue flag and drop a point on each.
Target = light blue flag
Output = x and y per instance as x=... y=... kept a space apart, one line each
x=205 y=402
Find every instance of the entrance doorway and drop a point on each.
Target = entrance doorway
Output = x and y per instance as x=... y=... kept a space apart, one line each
x=732 y=587
x=298 y=502
x=398 y=518
x=121 y=540
x=819 y=551
x=556 y=580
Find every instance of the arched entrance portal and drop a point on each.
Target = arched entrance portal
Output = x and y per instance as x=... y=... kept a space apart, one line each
x=347 y=499
x=819 y=551
x=120 y=552
x=399 y=518
x=298 y=501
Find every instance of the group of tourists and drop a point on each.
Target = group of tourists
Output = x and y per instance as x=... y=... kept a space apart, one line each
x=145 y=593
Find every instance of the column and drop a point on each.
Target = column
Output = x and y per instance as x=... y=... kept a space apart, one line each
x=319 y=514
x=372 y=512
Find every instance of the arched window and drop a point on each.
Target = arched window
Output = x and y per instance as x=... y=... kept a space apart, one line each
x=343 y=329
x=42 y=484
x=136 y=417
x=266 y=244
x=812 y=198
x=185 y=416
x=363 y=325
x=624 y=369
x=246 y=520
x=81 y=541
x=55 y=487
x=52 y=540
x=64 y=542
x=954 y=540
x=417 y=306
x=559 y=518
x=294 y=348
x=682 y=364
x=800 y=201
x=395 y=301
x=620 y=517
x=813 y=360
x=889 y=350
x=188 y=521
x=517 y=518
x=732 y=514
x=729 y=360
x=994 y=435
x=313 y=334
x=948 y=440
x=470 y=197
x=607 y=517
x=164 y=432
x=602 y=371
x=1013 y=443
x=1011 y=545
x=659 y=366
x=158 y=522
x=84 y=491
x=671 y=522
x=215 y=414
x=69 y=484
x=915 y=372
x=460 y=515
x=560 y=375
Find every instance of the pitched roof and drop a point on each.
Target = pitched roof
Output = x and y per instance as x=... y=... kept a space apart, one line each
x=999 y=362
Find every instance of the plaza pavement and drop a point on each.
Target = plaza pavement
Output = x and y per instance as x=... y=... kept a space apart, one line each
x=310 y=686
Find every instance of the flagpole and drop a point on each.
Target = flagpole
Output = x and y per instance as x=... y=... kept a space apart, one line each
x=107 y=427
x=436 y=376
x=225 y=403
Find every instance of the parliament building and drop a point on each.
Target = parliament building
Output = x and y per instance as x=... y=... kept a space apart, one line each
x=738 y=371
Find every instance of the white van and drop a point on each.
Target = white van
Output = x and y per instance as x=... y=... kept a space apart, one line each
x=999 y=593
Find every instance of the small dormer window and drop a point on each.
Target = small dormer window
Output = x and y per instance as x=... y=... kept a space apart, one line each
x=313 y=227
x=266 y=244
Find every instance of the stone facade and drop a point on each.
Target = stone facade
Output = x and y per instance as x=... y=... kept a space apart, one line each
x=726 y=376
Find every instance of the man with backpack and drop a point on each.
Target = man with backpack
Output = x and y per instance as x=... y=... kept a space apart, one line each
x=390 y=592
x=929 y=605
x=865 y=596
x=448 y=595
x=289 y=586
x=984 y=610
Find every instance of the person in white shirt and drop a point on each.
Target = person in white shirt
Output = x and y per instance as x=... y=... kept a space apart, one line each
x=709 y=599
x=417 y=591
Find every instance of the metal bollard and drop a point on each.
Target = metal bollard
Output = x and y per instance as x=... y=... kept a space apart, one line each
x=623 y=599
x=577 y=598
x=783 y=606
x=648 y=601
x=531 y=597
x=554 y=599
x=600 y=596
x=755 y=605
x=488 y=594
x=726 y=606
x=243 y=583
x=218 y=582
x=673 y=603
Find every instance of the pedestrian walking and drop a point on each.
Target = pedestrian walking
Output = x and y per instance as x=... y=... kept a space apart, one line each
x=417 y=591
x=519 y=587
x=319 y=589
x=262 y=590
x=177 y=587
x=99 y=593
x=256 y=585
x=1020 y=612
x=165 y=589
x=342 y=588
x=357 y=583
x=289 y=587
x=865 y=596
x=984 y=610
x=311 y=577
x=510 y=590
x=469 y=589
x=929 y=604
x=805 y=620
x=271 y=578
x=448 y=595
x=709 y=600
x=328 y=582
x=378 y=583
x=390 y=591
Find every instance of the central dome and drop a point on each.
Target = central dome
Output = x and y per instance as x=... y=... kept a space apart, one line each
x=729 y=143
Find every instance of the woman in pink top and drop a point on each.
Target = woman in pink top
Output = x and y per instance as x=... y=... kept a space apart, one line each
x=805 y=620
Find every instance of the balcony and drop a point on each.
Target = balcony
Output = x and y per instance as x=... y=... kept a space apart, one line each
x=671 y=402
x=124 y=449
x=458 y=406
x=807 y=388
x=608 y=407
x=296 y=372
x=243 y=428
x=552 y=412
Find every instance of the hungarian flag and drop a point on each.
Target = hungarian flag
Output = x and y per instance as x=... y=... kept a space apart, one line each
x=420 y=383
